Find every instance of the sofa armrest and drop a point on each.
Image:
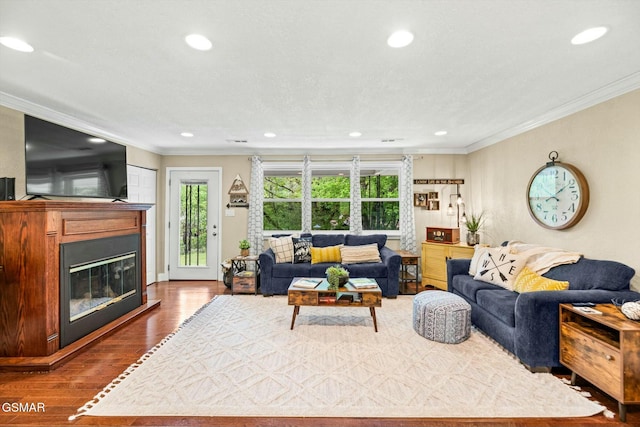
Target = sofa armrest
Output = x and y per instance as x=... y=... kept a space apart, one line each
x=537 y=321
x=267 y=261
x=456 y=266
x=392 y=260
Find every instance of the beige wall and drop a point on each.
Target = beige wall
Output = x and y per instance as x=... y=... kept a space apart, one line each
x=604 y=143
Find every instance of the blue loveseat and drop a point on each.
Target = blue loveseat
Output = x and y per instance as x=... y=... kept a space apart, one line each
x=527 y=324
x=275 y=278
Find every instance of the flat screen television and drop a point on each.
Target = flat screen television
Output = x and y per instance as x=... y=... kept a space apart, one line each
x=65 y=162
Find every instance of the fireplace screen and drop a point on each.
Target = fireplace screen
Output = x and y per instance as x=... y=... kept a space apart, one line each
x=98 y=284
x=100 y=280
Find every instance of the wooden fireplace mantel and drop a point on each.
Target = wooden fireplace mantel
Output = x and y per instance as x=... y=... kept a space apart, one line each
x=31 y=233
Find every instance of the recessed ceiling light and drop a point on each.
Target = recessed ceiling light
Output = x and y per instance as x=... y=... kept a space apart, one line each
x=16 y=44
x=186 y=134
x=96 y=140
x=198 y=42
x=441 y=133
x=270 y=134
x=589 y=35
x=355 y=134
x=400 y=39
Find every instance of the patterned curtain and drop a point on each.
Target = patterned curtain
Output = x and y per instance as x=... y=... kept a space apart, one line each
x=256 y=199
x=306 y=194
x=355 y=213
x=407 y=220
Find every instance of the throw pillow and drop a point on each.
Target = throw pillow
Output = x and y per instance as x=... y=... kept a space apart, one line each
x=301 y=249
x=360 y=254
x=478 y=253
x=283 y=248
x=530 y=281
x=326 y=254
x=499 y=267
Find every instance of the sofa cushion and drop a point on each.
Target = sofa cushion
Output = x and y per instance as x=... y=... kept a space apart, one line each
x=469 y=287
x=282 y=248
x=357 y=240
x=360 y=254
x=325 y=254
x=290 y=270
x=499 y=302
x=499 y=267
x=324 y=240
x=530 y=281
x=301 y=249
x=372 y=270
x=593 y=274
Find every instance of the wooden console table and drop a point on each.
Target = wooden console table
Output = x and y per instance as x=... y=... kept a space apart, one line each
x=604 y=349
x=31 y=233
x=434 y=261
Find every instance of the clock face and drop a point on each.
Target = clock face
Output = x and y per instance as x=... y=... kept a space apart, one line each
x=558 y=196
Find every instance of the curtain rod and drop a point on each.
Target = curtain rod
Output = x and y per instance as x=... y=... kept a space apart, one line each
x=345 y=159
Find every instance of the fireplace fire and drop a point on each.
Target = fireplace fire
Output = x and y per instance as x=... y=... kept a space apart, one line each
x=100 y=281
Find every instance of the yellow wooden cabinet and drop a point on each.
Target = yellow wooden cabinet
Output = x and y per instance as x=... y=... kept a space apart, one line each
x=434 y=261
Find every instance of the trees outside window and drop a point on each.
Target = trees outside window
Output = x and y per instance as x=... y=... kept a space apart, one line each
x=330 y=198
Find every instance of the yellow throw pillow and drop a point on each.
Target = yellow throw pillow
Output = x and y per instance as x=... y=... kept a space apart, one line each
x=530 y=281
x=326 y=254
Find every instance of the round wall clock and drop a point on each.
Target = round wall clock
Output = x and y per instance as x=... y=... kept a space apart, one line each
x=557 y=195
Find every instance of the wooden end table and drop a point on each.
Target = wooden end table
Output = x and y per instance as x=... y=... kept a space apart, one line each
x=321 y=295
x=406 y=276
x=604 y=349
x=245 y=280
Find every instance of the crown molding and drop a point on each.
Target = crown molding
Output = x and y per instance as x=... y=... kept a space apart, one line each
x=605 y=93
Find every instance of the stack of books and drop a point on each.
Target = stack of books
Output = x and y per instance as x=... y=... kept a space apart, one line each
x=307 y=283
x=363 y=283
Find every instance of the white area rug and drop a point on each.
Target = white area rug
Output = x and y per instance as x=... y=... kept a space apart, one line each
x=238 y=357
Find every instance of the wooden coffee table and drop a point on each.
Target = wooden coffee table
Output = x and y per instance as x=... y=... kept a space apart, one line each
x=322 y=296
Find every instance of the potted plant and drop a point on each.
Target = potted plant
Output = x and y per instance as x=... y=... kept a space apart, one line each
x=337 y=276
x=474 y=224
x=244 y=247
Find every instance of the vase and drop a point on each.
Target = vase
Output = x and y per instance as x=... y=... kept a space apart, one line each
x=337 y=281
x=244 y=252
x=473 y=238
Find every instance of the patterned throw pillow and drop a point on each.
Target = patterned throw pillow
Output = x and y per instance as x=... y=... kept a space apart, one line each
x=530 y=281
x=360 y=254
x=326 y=254
x=499 y=267
x=283 y=248
x=301 y=249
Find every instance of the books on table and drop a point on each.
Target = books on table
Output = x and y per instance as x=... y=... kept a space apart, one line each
x=307 y=283
x=363 y=283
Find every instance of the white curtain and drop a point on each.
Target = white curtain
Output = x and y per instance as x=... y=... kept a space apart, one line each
x=407 y=220
x=256 y=200
x=355 y=212
x=306 y=194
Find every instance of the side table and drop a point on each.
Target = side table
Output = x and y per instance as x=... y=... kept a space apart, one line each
x=246 y=274
x=604 y=349
x=408 y=274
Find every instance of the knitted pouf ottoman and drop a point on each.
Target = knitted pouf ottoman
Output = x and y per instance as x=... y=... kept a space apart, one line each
x=441 y=316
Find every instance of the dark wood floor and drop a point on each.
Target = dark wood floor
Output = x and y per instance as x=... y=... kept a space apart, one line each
x=70 y=386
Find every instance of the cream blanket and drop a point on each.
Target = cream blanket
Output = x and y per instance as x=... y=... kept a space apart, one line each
x=541 y=259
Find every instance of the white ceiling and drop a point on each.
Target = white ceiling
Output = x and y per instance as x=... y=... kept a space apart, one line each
x=312 y=71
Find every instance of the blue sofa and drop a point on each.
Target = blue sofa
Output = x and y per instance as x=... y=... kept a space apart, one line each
x=275 y=278
x=527 y=324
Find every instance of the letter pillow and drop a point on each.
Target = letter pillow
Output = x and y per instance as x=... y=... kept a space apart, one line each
x=499 y=267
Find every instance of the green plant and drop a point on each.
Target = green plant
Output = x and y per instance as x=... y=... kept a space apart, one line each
x=475 y=222
x=244 y=244
x=336 y=276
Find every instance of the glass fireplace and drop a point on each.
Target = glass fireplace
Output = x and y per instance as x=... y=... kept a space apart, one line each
x=100 y=281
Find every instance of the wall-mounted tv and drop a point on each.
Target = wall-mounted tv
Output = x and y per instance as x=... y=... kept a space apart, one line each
x=65 y=162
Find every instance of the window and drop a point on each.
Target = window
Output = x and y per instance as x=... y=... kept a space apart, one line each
x=282 y=207
x=330 y=196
